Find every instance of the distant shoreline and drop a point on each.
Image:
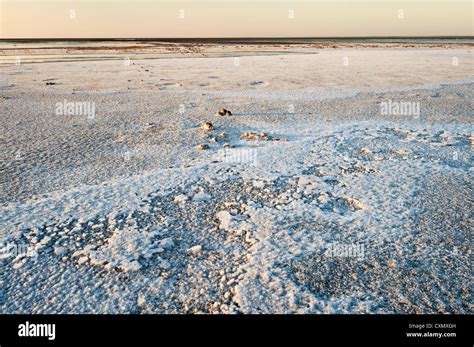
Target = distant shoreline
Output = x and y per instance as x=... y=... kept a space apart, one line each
x=41 y=51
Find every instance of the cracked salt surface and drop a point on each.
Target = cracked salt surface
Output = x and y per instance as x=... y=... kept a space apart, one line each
x=255 y=239
x=353 y=213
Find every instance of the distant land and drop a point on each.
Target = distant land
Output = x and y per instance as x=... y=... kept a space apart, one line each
x=243 y=39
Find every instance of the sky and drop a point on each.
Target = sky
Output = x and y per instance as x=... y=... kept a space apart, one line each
x=234 y=18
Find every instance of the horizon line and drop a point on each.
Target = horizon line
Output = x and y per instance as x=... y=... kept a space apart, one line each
x=234 y=38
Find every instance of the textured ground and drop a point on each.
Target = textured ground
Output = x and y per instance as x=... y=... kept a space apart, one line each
x=129 y=218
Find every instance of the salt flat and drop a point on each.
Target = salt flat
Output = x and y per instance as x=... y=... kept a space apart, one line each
x=344 y=208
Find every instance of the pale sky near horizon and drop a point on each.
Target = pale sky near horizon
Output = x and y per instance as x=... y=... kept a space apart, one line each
x=233 y=18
